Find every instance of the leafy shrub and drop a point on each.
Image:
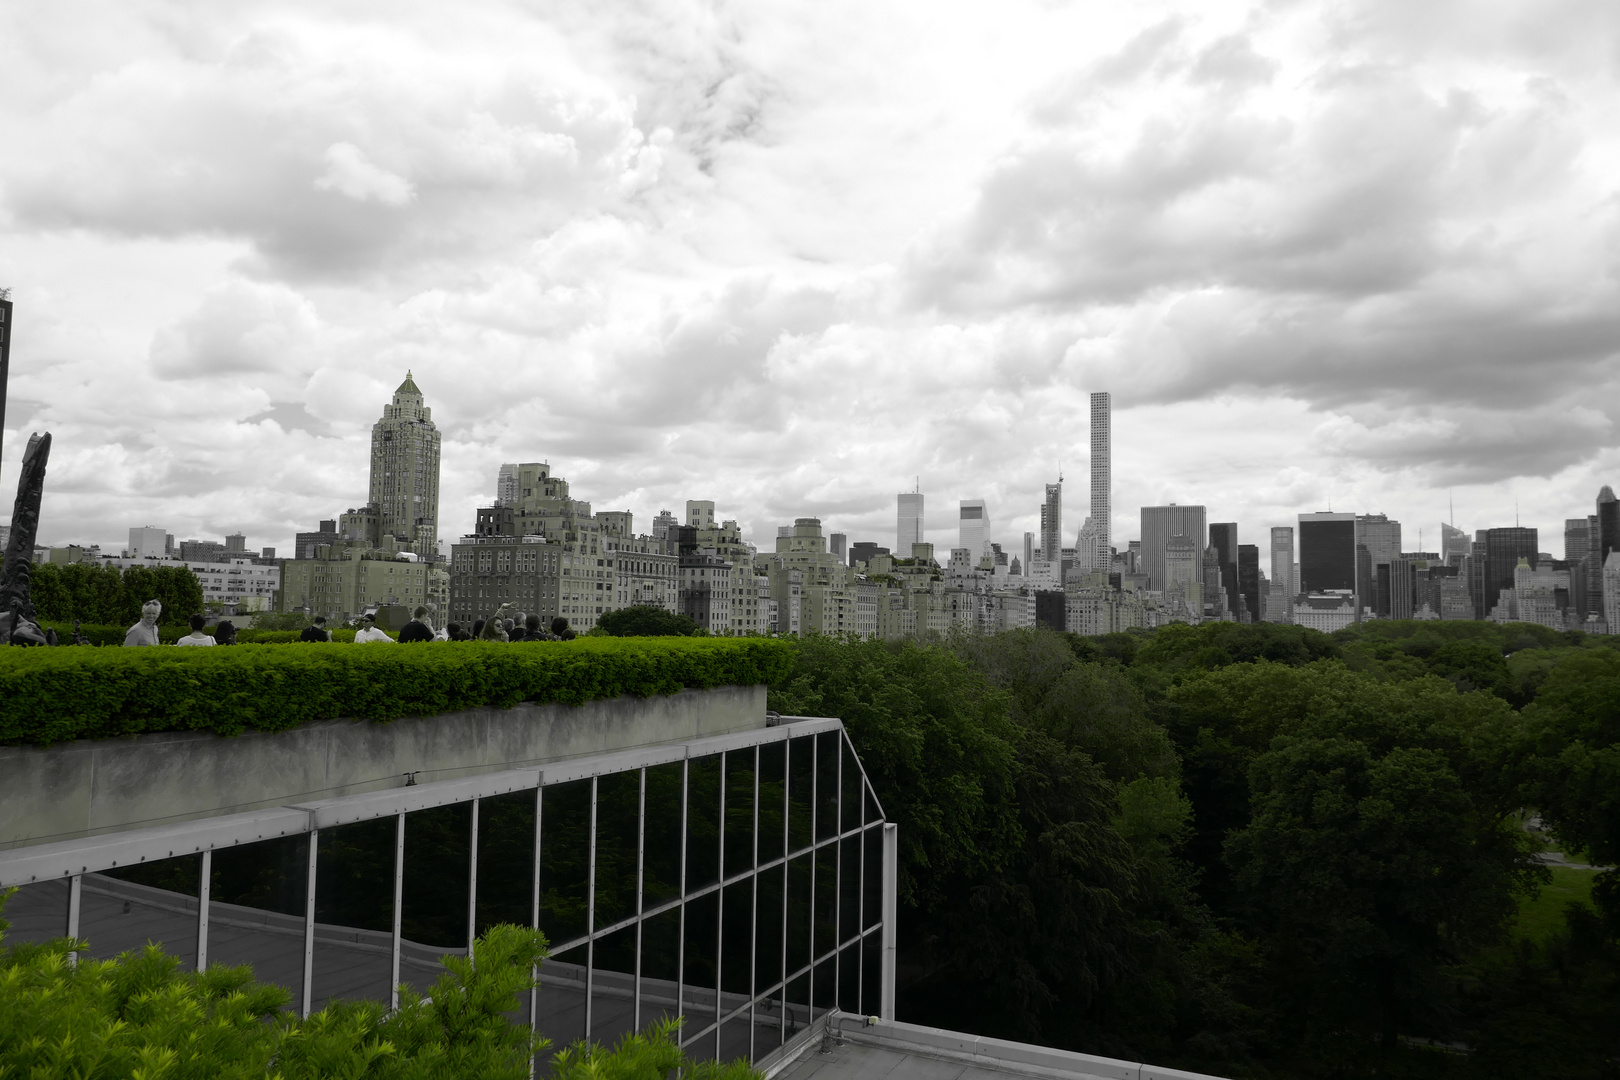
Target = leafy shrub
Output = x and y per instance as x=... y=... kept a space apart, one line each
x=137 y=1015
x=53 y=695
x=645 y=620
x=107 y=596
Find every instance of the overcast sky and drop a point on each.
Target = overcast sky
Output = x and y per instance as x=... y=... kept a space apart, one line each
x=793 y=256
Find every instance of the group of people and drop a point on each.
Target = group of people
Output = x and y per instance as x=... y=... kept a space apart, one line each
x=145 y=632
x=504 y=625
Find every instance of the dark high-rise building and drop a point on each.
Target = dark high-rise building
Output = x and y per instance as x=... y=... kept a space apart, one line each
x=1608 y=515
x=865 y=550
x=1503 y=550
x=1223 y=537
x=1327 y=553
x=1248 y=558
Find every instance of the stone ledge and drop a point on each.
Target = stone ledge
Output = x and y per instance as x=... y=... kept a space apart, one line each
x=94 y=787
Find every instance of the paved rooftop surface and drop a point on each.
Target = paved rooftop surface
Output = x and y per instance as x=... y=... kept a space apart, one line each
x=888 y=1050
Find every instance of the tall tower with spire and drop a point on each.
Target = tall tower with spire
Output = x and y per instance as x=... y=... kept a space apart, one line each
x=405 y=471
x=1102 y=478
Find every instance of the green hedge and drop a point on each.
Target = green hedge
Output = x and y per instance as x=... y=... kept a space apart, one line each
x=114 y=635
x=54 y=695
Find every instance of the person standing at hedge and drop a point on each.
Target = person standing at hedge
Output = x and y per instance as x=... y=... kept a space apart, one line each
x=418 y=629
x=225 y=633
x=145 y=632
x=368 y=631
x=316 y=631
x=196 y=637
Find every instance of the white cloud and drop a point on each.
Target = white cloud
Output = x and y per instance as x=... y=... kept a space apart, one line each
x=349 y=172
x=791 y=257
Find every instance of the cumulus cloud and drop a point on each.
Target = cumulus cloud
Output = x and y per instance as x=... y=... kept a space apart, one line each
x=793 y=257
x=349 y=172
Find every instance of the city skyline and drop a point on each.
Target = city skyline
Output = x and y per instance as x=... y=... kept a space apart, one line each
x=675 y=268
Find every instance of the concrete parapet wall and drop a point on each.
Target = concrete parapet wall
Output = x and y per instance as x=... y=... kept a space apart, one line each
x=92 y=787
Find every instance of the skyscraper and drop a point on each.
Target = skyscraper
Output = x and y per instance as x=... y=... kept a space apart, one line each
x=1327 y=553
x=405 y=471
x=974 y=527
x=1280 y=604
x=1381 y=535
x=1608 y=515
x=1052 y=522
x=1159 y=524
x=1453 y=541
x=506 y=485
x=1249 y=579
x=1503 y=550
x=908 y=522
x=1223 y=537
x=1102 y=479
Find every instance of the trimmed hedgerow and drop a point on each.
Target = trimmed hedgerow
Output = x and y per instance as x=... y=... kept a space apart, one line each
x=54 y=695
x=104 y=635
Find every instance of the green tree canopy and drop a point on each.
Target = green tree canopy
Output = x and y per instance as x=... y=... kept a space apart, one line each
x=645 y=620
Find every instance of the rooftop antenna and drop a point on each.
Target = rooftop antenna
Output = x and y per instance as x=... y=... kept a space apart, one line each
x=1451 y=509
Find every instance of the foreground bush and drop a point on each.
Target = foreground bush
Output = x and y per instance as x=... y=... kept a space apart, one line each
x=138 y=1016
x=53 y=695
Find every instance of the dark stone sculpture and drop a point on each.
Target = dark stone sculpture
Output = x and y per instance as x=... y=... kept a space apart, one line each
x=16 y=611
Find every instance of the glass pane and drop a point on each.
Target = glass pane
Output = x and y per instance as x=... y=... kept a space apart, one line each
x=768 y=1024
x=849 y=889
x=438 y=874
x=702 y=934
x=772 y=808
x=739 y=811
x=768 y=928
x=798 y=1005
x=256 y=900
x=613 y=985
x=735 y=1040
x=618 y=815
x=849 y=978
x=661 y=881
x=737 y=944
x=801 y=791
x=828 y=744
x=798 y=913
x=354 y=912
x=872 y=811
x=871 y=974
x=565 y=827
x=872 y=885
x=826 y=915
x=560 y=1012
x=660 y=966
x=701 y=1046
x=506 y=860
x=853 y=788
x=128 y=906
x=824 y=986
x=38 y=912
x=702 y=822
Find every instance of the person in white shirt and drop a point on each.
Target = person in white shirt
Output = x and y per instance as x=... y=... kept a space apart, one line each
x=145 y=632
x=196 y=637
x=368 y=631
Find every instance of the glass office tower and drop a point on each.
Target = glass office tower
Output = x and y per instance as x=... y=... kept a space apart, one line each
x=739 y=881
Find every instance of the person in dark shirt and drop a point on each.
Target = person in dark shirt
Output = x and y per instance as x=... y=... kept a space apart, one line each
x=532 y=631
x=225 y=633
x=517 y=632
x=316 y=631
x=418 y=629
